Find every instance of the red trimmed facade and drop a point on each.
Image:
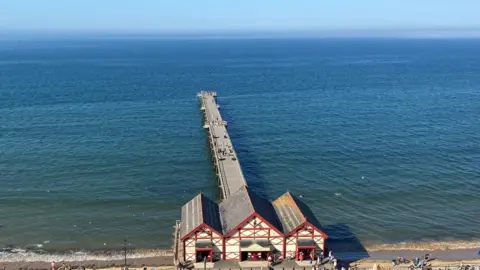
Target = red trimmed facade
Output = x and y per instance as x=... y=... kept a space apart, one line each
x=253 y=228
x=253 y=238
x=203 y=241
x=306 y=231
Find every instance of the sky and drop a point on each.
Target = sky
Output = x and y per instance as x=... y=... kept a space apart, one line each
x=240 y=15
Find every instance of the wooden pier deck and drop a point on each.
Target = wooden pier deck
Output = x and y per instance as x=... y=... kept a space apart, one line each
x=229 y=173
x=227 y=166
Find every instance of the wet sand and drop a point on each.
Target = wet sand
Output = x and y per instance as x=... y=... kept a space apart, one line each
x=444 y=254
x=439 y=258
x=387 y=264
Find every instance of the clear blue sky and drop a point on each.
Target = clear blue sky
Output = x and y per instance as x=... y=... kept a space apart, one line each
x=182 y=15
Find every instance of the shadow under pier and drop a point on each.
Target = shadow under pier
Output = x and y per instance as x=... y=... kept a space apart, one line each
x=344 y=244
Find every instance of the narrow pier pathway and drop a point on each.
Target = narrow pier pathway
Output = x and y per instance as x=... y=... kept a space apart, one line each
x=229 y=173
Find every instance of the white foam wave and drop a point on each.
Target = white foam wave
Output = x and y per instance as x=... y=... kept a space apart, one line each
x=21 y=255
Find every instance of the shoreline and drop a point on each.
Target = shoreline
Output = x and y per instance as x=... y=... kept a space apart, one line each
x=382 y=259
x=445 y=253
x=164 y=259
x=165 y=256
x=343 y=251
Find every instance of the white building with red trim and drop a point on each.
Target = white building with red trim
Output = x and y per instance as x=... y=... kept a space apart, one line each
x=251 y=228
x=201 y=230
x=247 y=227
x=303 y=237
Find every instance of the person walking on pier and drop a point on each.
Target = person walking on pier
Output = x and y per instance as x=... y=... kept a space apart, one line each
x=330 y=255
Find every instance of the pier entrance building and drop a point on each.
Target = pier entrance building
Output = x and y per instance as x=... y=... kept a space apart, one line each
x=243 y=226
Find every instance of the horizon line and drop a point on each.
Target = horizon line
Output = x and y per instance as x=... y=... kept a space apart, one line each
x=453 y=32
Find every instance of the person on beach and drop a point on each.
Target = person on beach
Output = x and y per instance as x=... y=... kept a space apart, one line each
x=52 y=265
x=415 y=261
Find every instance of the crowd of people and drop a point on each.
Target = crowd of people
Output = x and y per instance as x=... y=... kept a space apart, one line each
x=417 y=262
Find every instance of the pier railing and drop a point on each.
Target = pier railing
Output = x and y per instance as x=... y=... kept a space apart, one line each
x=213 y=122
x=176 y=241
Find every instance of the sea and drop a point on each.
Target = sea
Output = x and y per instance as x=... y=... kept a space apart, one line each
x=101 y=139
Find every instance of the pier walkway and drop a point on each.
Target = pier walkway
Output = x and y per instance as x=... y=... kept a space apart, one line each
x=229 y=173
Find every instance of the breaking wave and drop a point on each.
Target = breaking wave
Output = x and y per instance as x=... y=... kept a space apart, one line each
x=25 y=255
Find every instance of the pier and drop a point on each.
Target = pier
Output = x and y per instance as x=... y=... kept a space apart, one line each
x=225 y=235
x=227 y=166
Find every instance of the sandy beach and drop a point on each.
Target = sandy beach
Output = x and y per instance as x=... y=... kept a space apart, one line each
x=383 y=258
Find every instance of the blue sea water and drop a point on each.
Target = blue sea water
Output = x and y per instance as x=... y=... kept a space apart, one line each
x=102 y=139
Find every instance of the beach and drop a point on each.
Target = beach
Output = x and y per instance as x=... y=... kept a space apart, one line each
x=383 y=258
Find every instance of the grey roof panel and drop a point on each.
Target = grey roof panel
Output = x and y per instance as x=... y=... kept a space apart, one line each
x=241 y=204
x=190 y=216
x=235 y=209
x=292 y=212
x=197 y=211
x=288 y=212
x=211 y=214
x=265 y=209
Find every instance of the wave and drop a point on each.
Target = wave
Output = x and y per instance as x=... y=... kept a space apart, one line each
x=25 y=255
x=34 y=255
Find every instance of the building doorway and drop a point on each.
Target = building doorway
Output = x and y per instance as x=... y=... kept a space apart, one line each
x=255 y=256
x=254 y=249
x=305 y=254
x=203 y=254
x=305 y=250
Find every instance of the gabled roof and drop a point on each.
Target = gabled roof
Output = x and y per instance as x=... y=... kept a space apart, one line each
x=293 y=213
x=239 y=206
x=200 y=210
